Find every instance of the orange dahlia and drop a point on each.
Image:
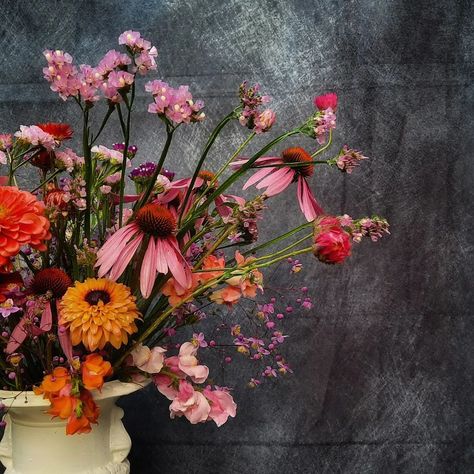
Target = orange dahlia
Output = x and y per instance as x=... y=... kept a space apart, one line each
x=22 y=222
x=98 y=311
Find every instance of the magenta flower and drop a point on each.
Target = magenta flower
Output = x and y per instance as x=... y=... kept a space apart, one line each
x=7 y=308
x=275 y=180
x=156 y=224
x=326 y=101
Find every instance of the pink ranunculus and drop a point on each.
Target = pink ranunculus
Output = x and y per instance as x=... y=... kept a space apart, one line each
x=332 y=244
x=326 y=101
x=148 y=360
x=222 y=405
x=190 y=403
x=189 y=364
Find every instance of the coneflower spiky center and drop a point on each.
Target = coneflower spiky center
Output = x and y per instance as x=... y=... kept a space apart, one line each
x=51 y=279
x=156 y=220
x=206 y=175
x=299 y=155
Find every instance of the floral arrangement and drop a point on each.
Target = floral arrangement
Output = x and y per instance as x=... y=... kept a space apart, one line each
x=97 y=280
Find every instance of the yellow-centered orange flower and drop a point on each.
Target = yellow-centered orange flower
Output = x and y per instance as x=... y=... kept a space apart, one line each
x=22 y=222
x=97 y=312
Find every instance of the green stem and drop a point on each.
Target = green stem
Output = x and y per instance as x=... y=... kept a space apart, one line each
x=216 y=244
x=325 y=147
x=208 y=146
x=88 y=173
x=283 y=257
x=104 y=122
x=286 y=249
x=46 y=181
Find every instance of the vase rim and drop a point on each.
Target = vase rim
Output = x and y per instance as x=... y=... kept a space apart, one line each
x=27 y=398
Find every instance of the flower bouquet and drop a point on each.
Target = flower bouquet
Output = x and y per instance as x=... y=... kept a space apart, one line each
x=105 y=262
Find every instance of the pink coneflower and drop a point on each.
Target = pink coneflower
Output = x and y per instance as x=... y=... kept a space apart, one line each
x=276 y=179
x=156 y=224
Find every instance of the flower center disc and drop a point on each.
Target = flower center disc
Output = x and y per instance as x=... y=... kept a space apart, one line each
x=299 y=155
x=51 y=279
x=94 y=296
x=156 y=220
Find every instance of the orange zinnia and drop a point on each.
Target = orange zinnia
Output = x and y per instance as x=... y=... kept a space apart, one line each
x=98 y=311
x=22 y=222
x=53 y=383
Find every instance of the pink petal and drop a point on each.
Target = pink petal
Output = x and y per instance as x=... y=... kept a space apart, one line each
x=257 y=176
x=177 y=264
x=308 y=204
x=277 y=181
x=46 y=322
x=124 y=258
x=161 y=261
x=17 y=336
x=148 y=270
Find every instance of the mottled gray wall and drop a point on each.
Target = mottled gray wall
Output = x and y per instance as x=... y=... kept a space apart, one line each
x=384 y=375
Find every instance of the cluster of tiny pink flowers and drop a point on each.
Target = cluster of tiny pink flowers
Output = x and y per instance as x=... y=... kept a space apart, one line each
x=115 y=157
x=250 y=116
x=373 y=227
x=75 y=191
x=34 y=136
x=110 y=76
x=348 y=159
x=68 y=160
x=324 y=121
x=142 y=50
x=6 y=141
x=177 y=105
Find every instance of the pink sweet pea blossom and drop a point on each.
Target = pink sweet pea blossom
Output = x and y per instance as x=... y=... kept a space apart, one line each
x=189 y=364
x=275 y=179
x=148 y=360
x=264 y=121
x=190 y=403
x=3 y=158
x=222 y=405
x=35 y=136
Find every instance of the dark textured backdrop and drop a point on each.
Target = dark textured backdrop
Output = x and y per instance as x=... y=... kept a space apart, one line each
x=384 y=375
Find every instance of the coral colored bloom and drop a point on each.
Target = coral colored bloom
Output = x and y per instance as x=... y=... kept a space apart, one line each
x=222 y=405
x=264 y=121
x=157 y=224
x=22 y=222
x=228 y=295
x=97 y=312
x=94 y=369
x=190 y=403
x=326 y=101
x=148 y=360
x=275 y=179
x=189 y=364
x=60 y=131
x=332 y=244
x=209 y=265
x=53 y=383
x=176 y=293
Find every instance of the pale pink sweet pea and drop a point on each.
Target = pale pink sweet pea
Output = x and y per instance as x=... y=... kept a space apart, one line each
x=35 y=136
x=264 y=121
x=189 y=364
x=190 y=403
x=3 y=158
x=222 y=405
x=148 y=360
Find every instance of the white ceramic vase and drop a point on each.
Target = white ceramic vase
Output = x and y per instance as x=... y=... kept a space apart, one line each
x=35 y=444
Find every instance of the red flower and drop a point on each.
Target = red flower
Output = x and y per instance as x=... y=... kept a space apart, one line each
x=332 y=243
x=326 y=101
x=60 y=131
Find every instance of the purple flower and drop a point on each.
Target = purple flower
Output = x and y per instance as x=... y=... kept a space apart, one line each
x=7 y=308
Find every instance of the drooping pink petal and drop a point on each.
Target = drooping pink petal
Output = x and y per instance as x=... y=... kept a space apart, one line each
x=264 y=160
x=177 y=264
x=46 y=322
x=148 y=270
x=17 y=336
x=111 y=251
x=308 y=204
x=277 y=181
x=161 y=261
x=126 y=198
x=257 y=176
x=185 y=182
x=124 y=258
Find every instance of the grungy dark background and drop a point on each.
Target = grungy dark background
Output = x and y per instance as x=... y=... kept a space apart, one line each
x=384 y=364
